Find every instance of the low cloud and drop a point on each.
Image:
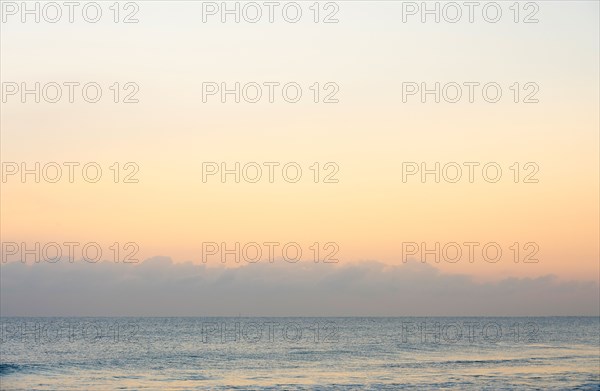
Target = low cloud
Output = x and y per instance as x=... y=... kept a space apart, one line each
x=158 y=287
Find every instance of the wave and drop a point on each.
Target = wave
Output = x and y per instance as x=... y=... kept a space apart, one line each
x=7 y=369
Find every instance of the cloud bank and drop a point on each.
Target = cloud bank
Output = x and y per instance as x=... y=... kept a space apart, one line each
x=158 y=287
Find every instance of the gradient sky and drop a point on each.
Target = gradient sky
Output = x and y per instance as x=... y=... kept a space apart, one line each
x=369 y=133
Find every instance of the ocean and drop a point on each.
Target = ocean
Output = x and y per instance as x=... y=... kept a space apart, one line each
x=245 y=353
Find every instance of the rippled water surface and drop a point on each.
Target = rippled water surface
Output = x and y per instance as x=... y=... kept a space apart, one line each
x=300 y=353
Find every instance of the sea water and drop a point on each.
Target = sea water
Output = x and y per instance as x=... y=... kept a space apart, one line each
x=520 y=353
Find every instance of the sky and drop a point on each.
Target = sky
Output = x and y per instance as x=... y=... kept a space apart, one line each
x=365 y=213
